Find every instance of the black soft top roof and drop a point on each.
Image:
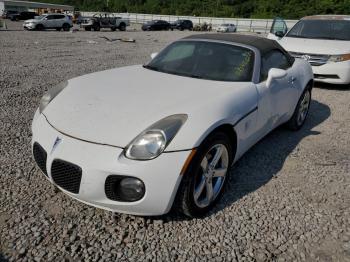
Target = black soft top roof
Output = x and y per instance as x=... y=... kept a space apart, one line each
x=264 y=45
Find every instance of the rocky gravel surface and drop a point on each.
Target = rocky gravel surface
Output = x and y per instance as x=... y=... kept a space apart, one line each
x=288 y=198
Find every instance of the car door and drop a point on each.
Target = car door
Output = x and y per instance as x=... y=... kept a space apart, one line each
x=277 y=98
x=59 y=20
x=50 y=21
x=278 y=29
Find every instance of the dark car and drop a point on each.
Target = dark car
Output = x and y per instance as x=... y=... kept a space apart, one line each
x=7 y=13
x=23 y=16
x=182 y=25
x=156 y=25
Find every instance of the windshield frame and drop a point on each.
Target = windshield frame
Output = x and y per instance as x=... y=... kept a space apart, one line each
x=256 y=60
x=315 y=38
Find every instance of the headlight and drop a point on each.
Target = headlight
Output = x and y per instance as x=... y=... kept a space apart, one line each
x=153 y=141
x=50 y=95
x=339 y=58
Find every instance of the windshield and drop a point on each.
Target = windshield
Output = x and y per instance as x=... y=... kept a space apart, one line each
x=322 y=29
x=205 y=60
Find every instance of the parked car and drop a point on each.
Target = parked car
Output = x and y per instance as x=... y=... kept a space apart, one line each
x=22 y=16
x=7 y=13
x=106 y=20
x=203 y=27
x=156 y=25
x=182 y=25
x=49 y=21
x=168 y=132
x=226 y=28
x=323 y=40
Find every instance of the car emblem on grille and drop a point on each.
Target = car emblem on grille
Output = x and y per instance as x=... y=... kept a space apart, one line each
x=57 y=142
x=306 y=57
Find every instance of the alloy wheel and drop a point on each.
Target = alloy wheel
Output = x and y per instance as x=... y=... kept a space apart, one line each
x=304 y=108
x=210 y=181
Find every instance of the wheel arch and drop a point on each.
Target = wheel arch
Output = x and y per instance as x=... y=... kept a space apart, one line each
x=227 y=129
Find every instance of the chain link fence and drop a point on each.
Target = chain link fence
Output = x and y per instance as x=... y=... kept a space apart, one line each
x=243 y=24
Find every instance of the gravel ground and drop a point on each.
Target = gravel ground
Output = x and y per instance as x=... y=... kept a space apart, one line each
x=288 y=198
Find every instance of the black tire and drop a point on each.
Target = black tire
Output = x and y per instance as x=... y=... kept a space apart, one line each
x=185 y=200
x=65 y=27
x=96 y=27
x=58 y=29
x=122 y=27
x=39 y=27
x=87 y=28
x=113 y=29
x=297 y=121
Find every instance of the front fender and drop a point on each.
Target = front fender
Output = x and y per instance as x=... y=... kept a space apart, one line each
x=222 y=110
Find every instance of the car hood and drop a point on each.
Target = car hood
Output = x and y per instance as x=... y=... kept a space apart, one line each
x=112 y=107
x=315 y=46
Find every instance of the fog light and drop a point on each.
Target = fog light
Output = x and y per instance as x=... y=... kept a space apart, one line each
x=124 y=188
x=130 y=189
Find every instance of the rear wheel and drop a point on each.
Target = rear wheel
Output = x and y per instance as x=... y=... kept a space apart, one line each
x=113 y=29
x=301 y=111
x=204 y=181
x=66 y=27
x=122 y=27
x=87 y=28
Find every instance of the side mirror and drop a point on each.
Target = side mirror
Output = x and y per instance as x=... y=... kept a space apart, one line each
x=275 y=73
x=153 y=55
x=279 y=34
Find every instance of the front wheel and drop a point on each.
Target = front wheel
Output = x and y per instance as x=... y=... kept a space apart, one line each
x=301 y=111
x=203 y=183
x=96 y=27
x=39 y=27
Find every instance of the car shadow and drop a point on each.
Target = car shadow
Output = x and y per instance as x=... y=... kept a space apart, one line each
x=263 y=161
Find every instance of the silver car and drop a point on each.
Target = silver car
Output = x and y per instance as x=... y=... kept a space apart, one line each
x=49 y=21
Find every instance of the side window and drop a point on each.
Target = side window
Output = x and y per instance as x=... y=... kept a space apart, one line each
x=59 y=16
x=50 y=17
x=273 y=59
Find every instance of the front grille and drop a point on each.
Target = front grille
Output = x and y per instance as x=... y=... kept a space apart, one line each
x=66 y=175
x=313 y=59
x=40 y=157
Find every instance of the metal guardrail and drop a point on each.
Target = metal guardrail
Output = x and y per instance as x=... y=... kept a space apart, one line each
x=243 y=24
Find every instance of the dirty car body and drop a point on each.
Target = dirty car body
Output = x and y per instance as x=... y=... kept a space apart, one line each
x=122 y=139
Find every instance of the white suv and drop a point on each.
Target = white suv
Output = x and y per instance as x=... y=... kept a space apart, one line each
x=323 y=40
x=49 y=21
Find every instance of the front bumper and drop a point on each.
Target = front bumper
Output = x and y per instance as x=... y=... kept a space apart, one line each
x=161 y=176
x=83 y=25
x=29 y=26
x=333 y=73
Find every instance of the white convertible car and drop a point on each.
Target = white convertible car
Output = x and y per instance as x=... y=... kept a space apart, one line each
x=142 y=139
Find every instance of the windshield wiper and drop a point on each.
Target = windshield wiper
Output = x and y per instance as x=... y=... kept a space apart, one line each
x=151 y=67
